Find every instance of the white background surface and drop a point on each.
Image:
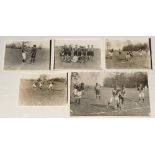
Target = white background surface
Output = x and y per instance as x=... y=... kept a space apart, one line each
x=88 y=136
x=9 y=81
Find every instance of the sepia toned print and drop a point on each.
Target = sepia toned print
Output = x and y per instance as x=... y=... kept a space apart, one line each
x=109 y=94
x=77 y=54
x=128 y=54
x=43 y=89
x=27 y=55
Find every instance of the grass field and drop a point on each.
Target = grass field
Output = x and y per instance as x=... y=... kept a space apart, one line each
x=30 y=97
x=137 y=62
x=95 y=64
x=13 y=60
x=91 y=107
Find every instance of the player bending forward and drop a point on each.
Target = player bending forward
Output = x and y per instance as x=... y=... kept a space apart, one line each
x=34 y=85
x=114 y=98
x=141 y=93
x=50 y=87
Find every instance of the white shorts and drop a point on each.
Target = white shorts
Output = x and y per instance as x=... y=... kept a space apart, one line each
x=127 y=56
x=141 y=95
x=50 y=86
x=75 y=92
x=24 y=56
x=110 y=54
x=114 y=99
x=79 y=94
x=34 y=86
x=40 y=85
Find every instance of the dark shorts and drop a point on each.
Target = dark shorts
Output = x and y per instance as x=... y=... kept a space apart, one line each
x=65 y=53
x=33 y=55
x=92 y=54
x=84 y=53
x=69 y=53
x=75 y=53
x=79 y=53
x=97 y=92
x=88 y=53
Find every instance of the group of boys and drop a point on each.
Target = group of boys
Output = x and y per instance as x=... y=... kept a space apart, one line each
x=32 y=52
x=77 y=53
x=39 y=83
x=118 y=94
x=129 y=53
x=78 y=92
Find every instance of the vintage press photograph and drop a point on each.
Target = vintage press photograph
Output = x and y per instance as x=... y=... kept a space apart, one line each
x=77 y=54
x=128 y=53
x=43 y=89
x=109 y=94
x=27 y=55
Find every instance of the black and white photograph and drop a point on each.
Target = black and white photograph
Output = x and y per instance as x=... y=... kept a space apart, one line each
x=43 y=89
x=77 y=54
x=27 y=55
x=128 y=53
x=109 y=94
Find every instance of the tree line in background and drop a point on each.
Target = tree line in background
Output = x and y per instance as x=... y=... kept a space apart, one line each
x=19 y=45
x=45 y=77
x=136 y=47
x=129 y=80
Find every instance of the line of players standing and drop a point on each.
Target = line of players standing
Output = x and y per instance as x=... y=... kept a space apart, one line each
x=75 y=54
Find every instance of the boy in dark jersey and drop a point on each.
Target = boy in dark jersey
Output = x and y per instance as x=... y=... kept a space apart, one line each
x=69 y=53
x=141 y=93
x=83 y=54
x=92 y=52
x=33 y=54
x=65 y=52
x=76 y=50
x=79 y=54
x=88 y=52
x=62 y=53
x=70 y=50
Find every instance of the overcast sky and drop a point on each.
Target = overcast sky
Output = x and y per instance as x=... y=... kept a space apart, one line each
x=35 y=76
x=118 y=44
x=43 y=43
x=91 y=78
